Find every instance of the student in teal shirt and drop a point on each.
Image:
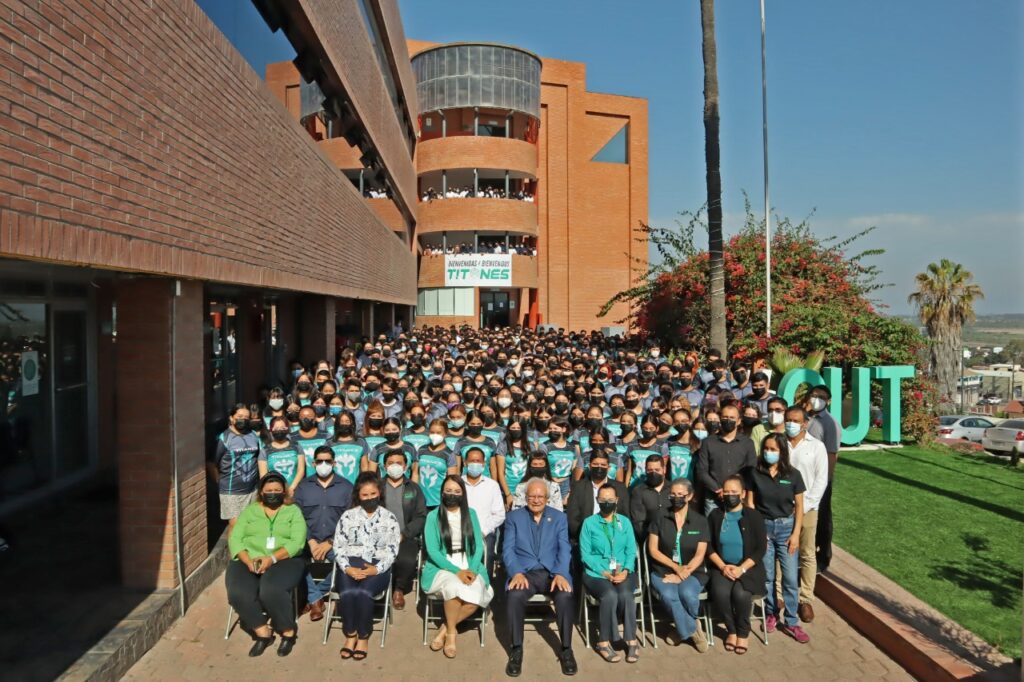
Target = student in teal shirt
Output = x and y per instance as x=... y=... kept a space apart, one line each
x=282 y=455
x=608 y=553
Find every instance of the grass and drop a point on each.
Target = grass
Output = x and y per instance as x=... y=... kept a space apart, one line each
x=948 y=527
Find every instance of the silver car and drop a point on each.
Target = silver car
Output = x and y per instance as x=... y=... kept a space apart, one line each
x=963 y=427
x=1007 y=437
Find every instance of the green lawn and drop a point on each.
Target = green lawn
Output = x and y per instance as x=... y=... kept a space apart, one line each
x=947 y=527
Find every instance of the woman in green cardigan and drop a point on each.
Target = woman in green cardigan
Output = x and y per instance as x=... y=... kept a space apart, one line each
x=266 y=545
x=454 y=568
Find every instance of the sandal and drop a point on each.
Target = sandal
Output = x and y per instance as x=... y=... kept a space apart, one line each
x=449 y=649
x=740 y=650
x=437 y=643
x=607 y=653
x=346 y=653
x=632 y=653
x=359 y=655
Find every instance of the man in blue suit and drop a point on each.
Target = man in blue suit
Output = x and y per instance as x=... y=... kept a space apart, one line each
x=536 y=555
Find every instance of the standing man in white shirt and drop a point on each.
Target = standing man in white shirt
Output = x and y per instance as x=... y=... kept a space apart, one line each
x=808 y=455
x=486 y=499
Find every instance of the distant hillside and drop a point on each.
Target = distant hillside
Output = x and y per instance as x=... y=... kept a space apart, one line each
x=989 y=329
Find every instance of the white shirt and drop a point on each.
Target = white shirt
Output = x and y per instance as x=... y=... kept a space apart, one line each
x=811 y=460
x=595 y=488
x=487 y=500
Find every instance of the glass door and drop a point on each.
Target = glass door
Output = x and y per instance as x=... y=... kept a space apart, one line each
x=71 y=389
x=494 y=309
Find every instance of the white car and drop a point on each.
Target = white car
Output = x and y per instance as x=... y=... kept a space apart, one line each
x=963 y=427
x=1007 y=437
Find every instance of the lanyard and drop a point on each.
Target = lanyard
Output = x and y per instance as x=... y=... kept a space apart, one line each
x=610 y=532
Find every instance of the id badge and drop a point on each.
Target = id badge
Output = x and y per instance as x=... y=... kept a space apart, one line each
x=613 y=565
x=271 y=542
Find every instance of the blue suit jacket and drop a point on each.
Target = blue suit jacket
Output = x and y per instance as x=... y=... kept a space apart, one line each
x=518 y=554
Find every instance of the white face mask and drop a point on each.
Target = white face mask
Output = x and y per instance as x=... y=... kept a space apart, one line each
x=817 y=404
x=276 y=403
x=324 y=469
x=436 y=439
x=775 y=418
x=655 y=353
x=395 y=471
x=527 y=373
x=503 y=403
x=600 y=361
x=513 y=362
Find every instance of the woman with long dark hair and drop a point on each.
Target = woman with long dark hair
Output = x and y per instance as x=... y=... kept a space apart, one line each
x=454 y=568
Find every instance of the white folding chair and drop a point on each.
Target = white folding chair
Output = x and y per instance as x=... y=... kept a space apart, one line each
x=587 y=600
x=382 y=599
x=652 y=595
x=480 y=617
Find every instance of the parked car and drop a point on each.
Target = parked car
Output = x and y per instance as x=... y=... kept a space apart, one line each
x=1007 y=437
x=964 y=427
x=990 y=399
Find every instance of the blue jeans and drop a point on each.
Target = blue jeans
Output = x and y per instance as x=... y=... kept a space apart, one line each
x=317 y=590
x=779 y=531
x=683 y=600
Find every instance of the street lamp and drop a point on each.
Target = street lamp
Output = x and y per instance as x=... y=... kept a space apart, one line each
x=767 y=209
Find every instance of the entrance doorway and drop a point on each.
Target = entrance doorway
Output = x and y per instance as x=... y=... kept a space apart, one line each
x=494 y=309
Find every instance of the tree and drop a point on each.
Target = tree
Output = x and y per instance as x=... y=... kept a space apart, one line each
x=945 y=301
x=712 y=154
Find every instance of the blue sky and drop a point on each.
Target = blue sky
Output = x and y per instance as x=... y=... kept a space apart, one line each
x=905 y=115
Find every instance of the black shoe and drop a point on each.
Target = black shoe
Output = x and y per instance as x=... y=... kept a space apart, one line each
x=515 y=662
x=568 y=662
x=260 y=645
x=286 y=646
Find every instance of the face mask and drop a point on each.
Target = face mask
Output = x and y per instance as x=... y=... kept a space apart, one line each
x=700 y=434
x=654 y=479
x=730 y=501
x=649 y=433
x=395 y=471
x=655 y=353
x=474 y=430
x=682 y=428
x=436 y=439
x=676 y=502
x=538 y=472
x=631 y=403
x=561 y=408
x=392 y=437
x=740 y=377
x=451 y=499
x=279 y=436
x=758 y=392
x=242 y=426
x=627 y=429
x=275 y=403
x=273 y=500
x=599 y=474
x=542 y=424
x=719 y=375
x=793 y=429
x=771 y=456
x=375 y=422
x=515 y=434
x=475 y=469
x=319 y=410
x=663 y=427
x=775 y=418
x=527 y=373
x=751 y=422
x=304 y=386
x=334 y=410
x=354 y=396
x=296 y=373
x=306 y=423
x=504 y=403
x=456 y=423
x=324 y=469
x=488 y=418
x=293 y=417
x=369 y=506
x=685 y=381
x=575 y=421
x=607 y=507
x=728 y=426
x=457 y=388
x=372 y=387
x=714 y=427
x=817 y=404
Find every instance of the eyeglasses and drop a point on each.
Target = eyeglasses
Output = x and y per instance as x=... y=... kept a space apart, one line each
x=325 y=461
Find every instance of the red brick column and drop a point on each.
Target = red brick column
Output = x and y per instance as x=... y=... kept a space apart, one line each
x=160 y=410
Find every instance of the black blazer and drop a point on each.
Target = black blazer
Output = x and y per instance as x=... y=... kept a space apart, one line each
x=581 y=503
x=755 y=543
x=414 y=506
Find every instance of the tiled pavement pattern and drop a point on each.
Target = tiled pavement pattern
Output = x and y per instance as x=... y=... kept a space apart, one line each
x=195 y=649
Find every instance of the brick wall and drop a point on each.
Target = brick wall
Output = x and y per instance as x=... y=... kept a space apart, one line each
x=134 y=137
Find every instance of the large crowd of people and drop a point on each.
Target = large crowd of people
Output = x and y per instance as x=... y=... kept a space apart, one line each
x=501 y=464
x=485 y=246
x=482 y=193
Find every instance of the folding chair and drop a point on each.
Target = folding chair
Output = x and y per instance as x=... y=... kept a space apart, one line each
x=232 y=621
x=383 y=599
x=587 y=600
x=480 y=617
x=652 y=594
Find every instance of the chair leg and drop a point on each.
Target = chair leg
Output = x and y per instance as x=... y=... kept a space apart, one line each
x=586 y=620
x=654 y=624
x=329 y=616
x=643 y=624
x=387 y=616
x=483 y=626
x=231 y=619
x=426 y=618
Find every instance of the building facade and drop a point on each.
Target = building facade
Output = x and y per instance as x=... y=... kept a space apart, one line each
x=171 y=238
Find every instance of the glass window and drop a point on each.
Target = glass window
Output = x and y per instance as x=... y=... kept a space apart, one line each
x=464 y=301
x=616 y=150
x=445 y=302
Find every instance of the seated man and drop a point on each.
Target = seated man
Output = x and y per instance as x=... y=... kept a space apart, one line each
x=536 y=555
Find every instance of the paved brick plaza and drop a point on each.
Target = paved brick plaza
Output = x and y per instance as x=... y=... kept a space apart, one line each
x=194 y=649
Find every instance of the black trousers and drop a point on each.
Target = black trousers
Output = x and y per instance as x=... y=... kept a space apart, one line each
x=357 y=600
x=733 y=602
x=489 y=553
x=404 y=568
x=823 y=537
x=255 y=597
x=539 y=583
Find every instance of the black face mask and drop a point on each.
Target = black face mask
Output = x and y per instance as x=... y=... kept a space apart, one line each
x=279 y=436
x=628 y=429
x=242 y=426
x=618 y=410
x=663 y=427
x=561 y=408
x=319 y=410
x=579 y=397
x=575 y=421
x=392 y=437
x=758 y=392
x=686 y=381
x=451 y=499
x=387 y=397
x=681 y=429
x=740 y=377
x=730 y=501
x=488 y=418
x=631 y=403
x=375 y=422
x=273 y=500
x=538 y=472
x=304 y=386
x=713 y=427
x=751 y=422
x=306 y=423
x=469 y=397
x=542 y=424
x=607 y=507
x=728 y=426
x=417 y=420
x=598 y=473
x=372 y=387
x=593 y=423
x=293 y=417
x=370 y=505
x=515 y=434
x=676 y=502
x=345 y=430
x=654 y=479
x=474 y=430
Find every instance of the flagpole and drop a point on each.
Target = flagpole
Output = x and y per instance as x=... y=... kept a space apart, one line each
x=767 y=206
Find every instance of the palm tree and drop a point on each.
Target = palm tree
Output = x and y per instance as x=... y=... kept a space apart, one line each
x=712 y=162
x=945 y=301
